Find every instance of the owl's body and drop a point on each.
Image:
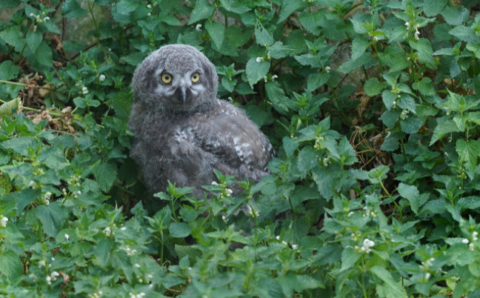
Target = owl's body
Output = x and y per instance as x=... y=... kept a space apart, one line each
x=182 y=131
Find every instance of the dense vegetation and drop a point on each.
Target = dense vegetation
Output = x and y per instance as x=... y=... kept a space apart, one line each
x=371 y=106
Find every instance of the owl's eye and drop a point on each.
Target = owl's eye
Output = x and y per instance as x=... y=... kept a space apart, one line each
x=195 y=77
x=166 y=78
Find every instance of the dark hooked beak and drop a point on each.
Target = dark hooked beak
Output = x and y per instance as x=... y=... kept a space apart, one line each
x=182 y=95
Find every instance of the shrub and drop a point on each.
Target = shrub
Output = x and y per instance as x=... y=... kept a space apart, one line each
x=370 y=105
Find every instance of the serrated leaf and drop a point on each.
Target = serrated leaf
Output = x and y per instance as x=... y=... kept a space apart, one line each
x=262 y=36
x=410 y=193
x=233 y=6
x=464 y=34
x=411 y=124
x=52 y=216
x=311 y=21
x=349 y=257
x=394 y=57
x=468 y=151
x=351 y=64
x=8 y=70
x=373 y=87
x=443 y=128
x=359 y=46
x=72 y=9
x=13 y=36
x=216 y=32
x=105 y=173
x=389 y=98
x=346 y=151
x=202 y=10
x=256 y=70
x=425 y=87
x=179 y=230
x=424 y=51
x=395 y=288
x=433 y=7
x=316 y=80
x=44 y=55
x=288 y=7
x=455 y=15
x=325 y=179
x=9 y=3
x=10 y=265
x=33 y=40
x=307 y=160
x=135 y=58
x=289 y=146
x=277 y=97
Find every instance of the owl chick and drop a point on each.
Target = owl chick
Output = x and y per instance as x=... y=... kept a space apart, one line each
x=182 y=132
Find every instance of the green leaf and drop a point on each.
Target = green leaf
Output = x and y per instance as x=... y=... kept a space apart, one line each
x=256 y=70
x=9 y=3
x=373 y=87
x=464 y=34
x=105 y=173
x=389 y=98
x=411 y=124
x=433 y=7
x=359 y=46
x=425 y=87
x=288 y=7
x=8 y=70
x=395 y=288
x=468 y=151
x=179 y=230
x=349 y=257
x=316 y=80
x=350 y=65
x=455 y=15
x=134 y=58
x=44 y=55
x=394 y=57
x=13 y=36
x=33 y=40
x=72 y=9
x=307 y=160
x=424 y=51
x=443 y=128
x=202 y=10
x=216 y=32
x=262 y=36
x=234 y=6
x=312 y=21
x=289 y=146
x=410 y=193
x=52 y=216
x=10 y=265
x=347 y=153
x=277 y=97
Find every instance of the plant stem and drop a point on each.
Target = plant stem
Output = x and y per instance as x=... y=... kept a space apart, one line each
x=390 y=196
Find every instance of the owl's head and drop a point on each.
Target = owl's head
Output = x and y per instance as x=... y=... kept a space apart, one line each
x=176 y=78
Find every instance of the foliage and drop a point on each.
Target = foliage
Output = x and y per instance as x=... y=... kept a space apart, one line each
x=370 y=105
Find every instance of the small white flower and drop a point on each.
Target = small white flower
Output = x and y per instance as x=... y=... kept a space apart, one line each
x=259 y=59
x=214 y=183
x=350 y=213
x=49 y=280
x=3 y=221
x=101 y=78
x=471 y=246
x=54 y=274
x=228 y=192
x=230 y=99
x=67 y=237
x=149 y=14
x=47 y=202
x=465 y=241
x=404 y=114
x=41 y=263
x=327 y=69
x=46 y=19
x=149 y=6
x=294 y=246
x=475 y=235
x=150 y=276
x=198 y=27
x=427 y=276
x=107 y=231
x=417 y=34
x=32 y=184
x=34 y=28
x=265 y=79
x=32 y=15
x=274 y=77
x=407 y=24
x=123 y=228
x=251 y=212
x=84 y=90
x=137 y=265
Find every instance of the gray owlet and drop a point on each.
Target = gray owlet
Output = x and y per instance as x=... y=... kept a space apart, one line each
x=182 y=131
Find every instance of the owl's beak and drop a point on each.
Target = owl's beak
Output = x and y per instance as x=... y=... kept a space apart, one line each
x=184 y=95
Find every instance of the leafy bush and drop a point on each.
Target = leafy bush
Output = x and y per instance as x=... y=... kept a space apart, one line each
x=371 y=106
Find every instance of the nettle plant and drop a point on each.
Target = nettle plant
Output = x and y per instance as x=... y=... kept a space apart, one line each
x=372 y=109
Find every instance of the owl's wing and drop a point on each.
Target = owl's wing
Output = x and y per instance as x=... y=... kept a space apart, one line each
x=234 y=143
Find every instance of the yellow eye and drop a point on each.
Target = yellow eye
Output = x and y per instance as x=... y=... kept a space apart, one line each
x=195 y=77
x=166 y=78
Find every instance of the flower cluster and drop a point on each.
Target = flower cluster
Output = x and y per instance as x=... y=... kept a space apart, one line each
x=96 y=294
x=38 y=20
x=471 y=246
x=404 y=114
x=417 y=33
x=139 y=295
x=366 y=246
x=51 y=277
x=128 y=250
x=46 y=198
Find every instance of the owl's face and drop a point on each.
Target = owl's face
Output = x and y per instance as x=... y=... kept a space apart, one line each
x=176 y=78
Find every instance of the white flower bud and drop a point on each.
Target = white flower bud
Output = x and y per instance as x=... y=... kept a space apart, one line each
x=198 y=27
x=259 y=59
x=3 y=221
x=101 y=78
